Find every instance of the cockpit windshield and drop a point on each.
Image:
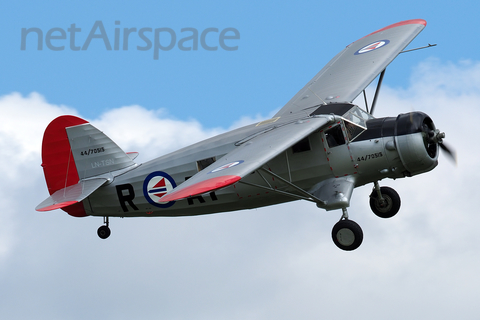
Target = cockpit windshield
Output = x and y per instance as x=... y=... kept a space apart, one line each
x=356 y=122
x=354 y=119
x=358 y=116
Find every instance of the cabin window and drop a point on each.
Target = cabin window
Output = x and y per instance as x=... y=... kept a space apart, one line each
x=335 y=136
x=301 y=146
x=202 y=164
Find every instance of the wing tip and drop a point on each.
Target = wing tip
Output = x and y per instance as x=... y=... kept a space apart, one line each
x=402 y=23
x=405 y=22
x=398 y=24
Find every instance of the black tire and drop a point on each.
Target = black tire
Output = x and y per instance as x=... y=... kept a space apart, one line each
x=103 y=232
x=391 y=205
x=347 y=235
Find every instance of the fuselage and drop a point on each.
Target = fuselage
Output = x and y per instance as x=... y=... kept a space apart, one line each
x=357 y=145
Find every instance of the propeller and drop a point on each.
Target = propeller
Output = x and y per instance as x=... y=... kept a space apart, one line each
x=433 y=137
x=449 y=151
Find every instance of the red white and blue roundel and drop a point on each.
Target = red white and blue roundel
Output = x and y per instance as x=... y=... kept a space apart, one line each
x=372 y=46
x=156 y=185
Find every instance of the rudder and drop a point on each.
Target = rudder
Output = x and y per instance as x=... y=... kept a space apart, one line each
x=57 y=160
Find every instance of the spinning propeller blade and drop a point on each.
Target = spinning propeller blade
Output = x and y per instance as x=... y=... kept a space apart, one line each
x=449 y=151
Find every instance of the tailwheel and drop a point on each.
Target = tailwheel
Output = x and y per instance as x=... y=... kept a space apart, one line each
x=384 y=202
x=104 y=231
x=347 y=235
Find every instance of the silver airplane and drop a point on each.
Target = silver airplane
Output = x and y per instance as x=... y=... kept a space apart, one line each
x=318 y=147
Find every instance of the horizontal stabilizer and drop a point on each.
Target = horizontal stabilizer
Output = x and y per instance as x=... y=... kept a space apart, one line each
x=71 y=195
x=132 y=155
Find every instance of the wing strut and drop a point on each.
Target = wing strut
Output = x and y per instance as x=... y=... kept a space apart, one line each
x=380 y=80
x=429 y=46
x=379 y=85
x=306 y=195
x=366 y=102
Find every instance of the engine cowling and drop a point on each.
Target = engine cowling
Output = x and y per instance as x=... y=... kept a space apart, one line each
x=417 y=140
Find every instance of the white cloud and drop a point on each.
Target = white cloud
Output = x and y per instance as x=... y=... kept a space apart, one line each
x=23 y=121
x=277 y=262
x=150 y=132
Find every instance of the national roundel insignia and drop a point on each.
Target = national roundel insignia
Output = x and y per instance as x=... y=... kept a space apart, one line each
x=372 y=46
x=156 y=185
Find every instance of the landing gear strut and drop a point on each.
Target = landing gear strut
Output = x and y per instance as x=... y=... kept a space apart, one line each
x=104 y=231
x=384 y=201
x=347 y=234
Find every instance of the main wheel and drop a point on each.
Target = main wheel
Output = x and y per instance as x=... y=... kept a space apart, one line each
x=103 y=232
x=389 y=207
x=347 y=235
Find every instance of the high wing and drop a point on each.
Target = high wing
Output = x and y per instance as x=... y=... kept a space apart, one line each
x=71 y=195
x=249 y=155
x=354 y=68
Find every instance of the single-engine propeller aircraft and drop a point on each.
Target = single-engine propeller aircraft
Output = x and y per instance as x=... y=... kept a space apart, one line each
x=318 y=147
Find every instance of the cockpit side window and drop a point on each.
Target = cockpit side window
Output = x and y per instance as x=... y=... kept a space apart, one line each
x=335 y=136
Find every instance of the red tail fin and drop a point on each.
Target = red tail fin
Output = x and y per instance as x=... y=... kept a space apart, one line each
x=57 y=159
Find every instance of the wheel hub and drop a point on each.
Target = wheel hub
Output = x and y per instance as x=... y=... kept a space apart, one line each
x=346 y=237
x=385 y=205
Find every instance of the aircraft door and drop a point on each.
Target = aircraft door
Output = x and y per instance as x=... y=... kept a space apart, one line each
x=339 y=155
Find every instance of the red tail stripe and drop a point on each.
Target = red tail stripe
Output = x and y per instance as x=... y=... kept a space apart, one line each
x=57 y=161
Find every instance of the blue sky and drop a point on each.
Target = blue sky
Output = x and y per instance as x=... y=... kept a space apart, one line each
x=272 y=263
x=281 y=46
